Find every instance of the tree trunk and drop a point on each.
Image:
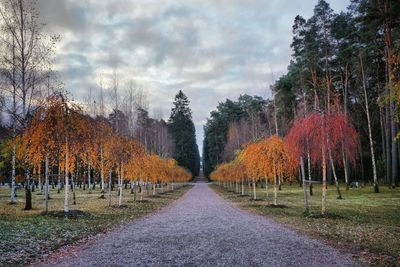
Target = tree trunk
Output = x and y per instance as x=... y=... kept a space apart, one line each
x=40 y=179
x=371 y=142
x=383 y=137
x=345 y=169
x=275 y=186
x=28 y=194
x=14 y=122
x=323 y=206
x=73 y=189
x=120 y=186
x=388 y=144
x=394 y=149
x=102 y=171
x=339 y=195
x=254 y=190
x=13 y=192
x=388 y=40
x=46 y=190
x=141 y=190
x=66 y=209
x=59 y=179
x=89 y=182
x=309 y=172
x=303 y=176
x=134 y=191
x=109 y=187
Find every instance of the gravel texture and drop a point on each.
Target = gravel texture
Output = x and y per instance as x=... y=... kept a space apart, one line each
x=202 y=229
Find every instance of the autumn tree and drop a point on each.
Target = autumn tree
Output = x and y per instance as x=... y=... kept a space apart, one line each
x=327 y=136
x=25 y=54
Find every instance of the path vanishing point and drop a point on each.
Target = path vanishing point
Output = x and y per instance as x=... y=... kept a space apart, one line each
x=202 y=229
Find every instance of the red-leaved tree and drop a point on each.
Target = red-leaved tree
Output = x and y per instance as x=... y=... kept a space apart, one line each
x=327 y=137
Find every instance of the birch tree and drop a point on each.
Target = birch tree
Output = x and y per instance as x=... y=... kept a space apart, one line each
x=26 y=50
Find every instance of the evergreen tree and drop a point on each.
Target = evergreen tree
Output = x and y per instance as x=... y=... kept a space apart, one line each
x=181 y=127
x=247 y=107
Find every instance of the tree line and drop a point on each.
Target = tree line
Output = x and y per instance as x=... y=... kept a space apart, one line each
x=45 y=133
x=320 y=139
x=344 y=63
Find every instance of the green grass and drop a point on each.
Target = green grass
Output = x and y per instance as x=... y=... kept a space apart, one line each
x=27 y=235
x=364 y=223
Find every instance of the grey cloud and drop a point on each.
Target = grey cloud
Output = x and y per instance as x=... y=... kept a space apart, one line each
x=212 y=49
x=70 y=15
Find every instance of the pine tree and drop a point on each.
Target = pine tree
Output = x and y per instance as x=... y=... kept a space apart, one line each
x=182 y=129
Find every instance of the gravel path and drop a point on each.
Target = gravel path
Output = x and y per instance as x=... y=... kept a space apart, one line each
x=201 y=229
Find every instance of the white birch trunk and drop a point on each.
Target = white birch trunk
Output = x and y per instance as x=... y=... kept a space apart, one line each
x=13 y=194
x=102 y=170
x=141 y=190
x=371 y=142
x=109 y=188
x=66 y=187
x=275 y=186
x=120 y=186
x=254 y=190
x=40 y=180
x=339 y=195
x=89 y=183
x=323 y=206
x=59 y=179
x=346 y=175
x=303 y=176
x=46 y=190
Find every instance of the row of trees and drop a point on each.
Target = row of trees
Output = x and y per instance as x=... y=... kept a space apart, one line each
x=320 y=139
x=233 y=124
x=346 y=63
x=350 y=56
x=61 y=137
x=26 y=54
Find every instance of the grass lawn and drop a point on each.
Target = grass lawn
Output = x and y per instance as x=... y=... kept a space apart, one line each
x=364 y=223
x=27 y=235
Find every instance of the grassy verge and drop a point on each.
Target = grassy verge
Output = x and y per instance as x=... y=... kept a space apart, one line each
x=28 y=235
x=364 y=223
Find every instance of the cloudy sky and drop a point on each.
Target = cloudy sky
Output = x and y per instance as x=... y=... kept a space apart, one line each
x=211 y=49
